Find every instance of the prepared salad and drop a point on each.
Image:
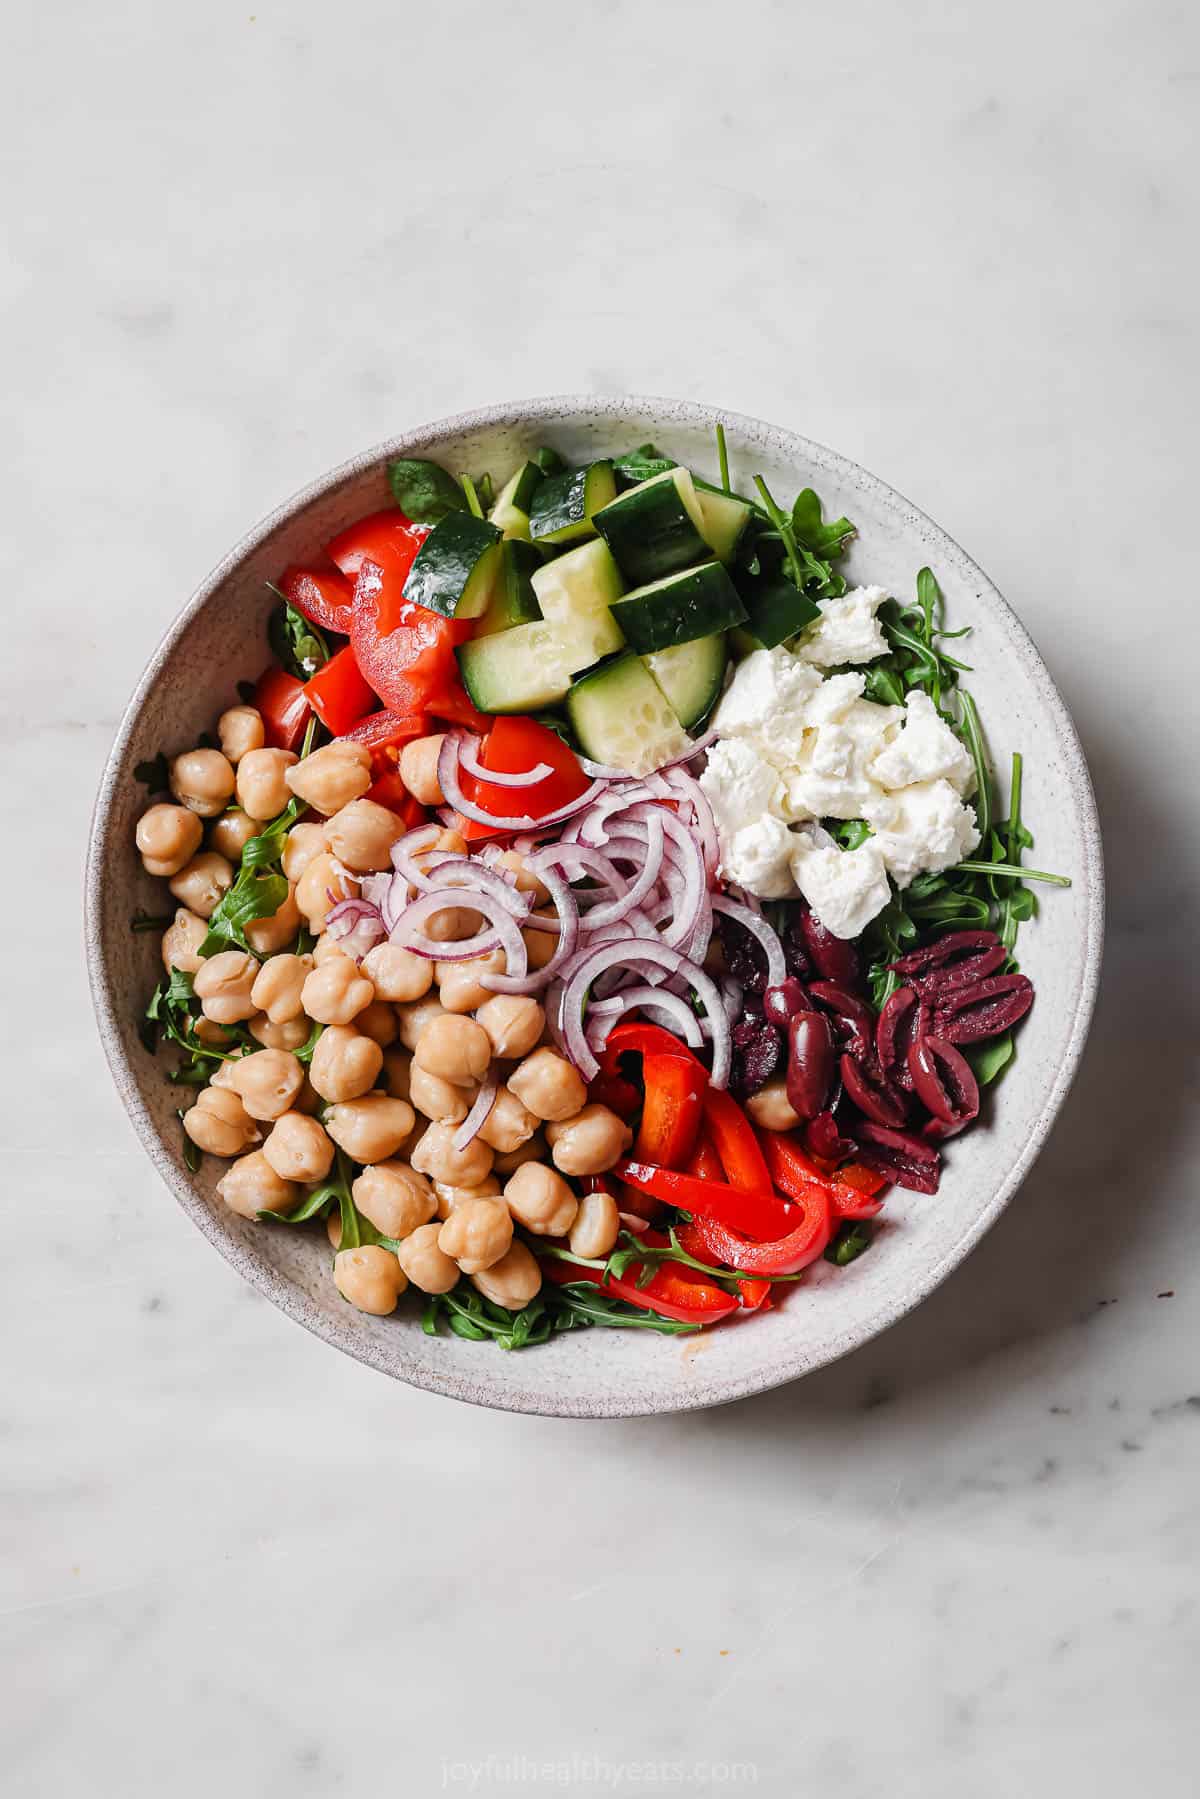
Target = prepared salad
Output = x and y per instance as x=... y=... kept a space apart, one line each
x=595 y=908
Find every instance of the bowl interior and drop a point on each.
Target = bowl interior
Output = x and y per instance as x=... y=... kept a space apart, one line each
x=219 y=640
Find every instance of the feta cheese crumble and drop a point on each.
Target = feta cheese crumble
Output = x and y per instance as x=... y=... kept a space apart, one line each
x=921 y=829
x=758 y=858
x=847 y=630
x=925 y=750
x=845 y=888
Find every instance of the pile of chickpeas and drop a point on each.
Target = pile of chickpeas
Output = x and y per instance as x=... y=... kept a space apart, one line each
x=405 y=1046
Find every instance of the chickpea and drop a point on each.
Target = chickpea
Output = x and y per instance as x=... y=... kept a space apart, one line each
x=397 y=1073
x=597 y=1225
x=330 y=778
x=459 y=986
x=241 y=730
x=476 y=1234
x=329 y=949
x=448 y=1197
x=336 y=993
x=508 y=1124
x=181 y=943
x=372 y=1128
x=541 y=1200
x=590 y=1143
x=378 y=1022
x=362 y=834
x=394 y=1197
x=370 y=1278
x=278 y=987
x=455 y=1048
x=304 y=842
x=415 y=1018
x=436 y=1156
x=252 y=1186
x=514 y=1024
x=268 y=1081
x=548 y=1085
x=202 y=780
x=202 y=883
x=512 y=1281
x=440 y=1100
x=230 y=833
x=262 y=786
x=770 y=1108
x=513 y=862
x=292 y=1034
x=168 y=837
x=507 y=1162
x=321 y=886
x=298 y=1148
x=540 y=945
x=267 y=936
x=219 y=1124
x=426 y=1265
x=344 y=1064
x=224 y=984
x=452 y=925
x=205 y=1031
x=398 y=974
x=419 y=769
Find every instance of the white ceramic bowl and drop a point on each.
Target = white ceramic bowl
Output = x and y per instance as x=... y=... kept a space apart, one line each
x=218 y=639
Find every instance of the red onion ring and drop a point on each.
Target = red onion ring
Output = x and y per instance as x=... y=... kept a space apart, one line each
x=522 y=980
x=650 y=999
x=357 y=925
x=447 y=773
x=506 y=930
x=468 y=759
x=615 y=954
x=477 y=1117
x=757 y=926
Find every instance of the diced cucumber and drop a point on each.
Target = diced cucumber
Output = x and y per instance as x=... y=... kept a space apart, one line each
x=776 y=610
x=513 y=601
x=563 y=505
x=723 y=518
x=456 y=567
x=532 y=665
x=621 y=716
x=583 y=580
x=696 y=602
x=511 y=511
x=690 y=675
x=654 y=528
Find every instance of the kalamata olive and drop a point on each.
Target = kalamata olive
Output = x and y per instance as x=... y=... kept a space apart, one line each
x=757 y=1051
x=984 y=1009
x=795 y=952
x=782 y=1003
x=871 y=1092
x=823 y=1138
x=944 y=1081
x=943 y=950
x=834 y=958
x=853 y=1023
x=902 y=1019
x=744 y=955
x=903 y=1157
x=812 y=1065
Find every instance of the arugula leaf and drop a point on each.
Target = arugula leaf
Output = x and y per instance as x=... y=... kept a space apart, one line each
x=474 y=504
x=989 y=1060
x=252 y=896
x=192 y=1155
x=549 y=461
x=641 y=464
x=296 y=644
x=884 y=684
x=852 y=1240
x=424 y=491
x=154 y=775
x=146 y=921
x=826 y=541
x=850 y=832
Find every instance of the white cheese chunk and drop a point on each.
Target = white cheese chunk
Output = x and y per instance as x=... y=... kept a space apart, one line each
x=921 y=829
x=758 y=857
x=847 y=630
x=740 y=786
x=829 y=778
x=845 y=888
x=765 y=703
x=925 y=750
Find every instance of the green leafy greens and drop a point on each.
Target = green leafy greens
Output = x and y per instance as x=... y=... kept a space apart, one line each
x=296 y=644
x=424 y=491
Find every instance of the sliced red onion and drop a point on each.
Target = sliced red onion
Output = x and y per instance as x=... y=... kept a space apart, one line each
x=448 y=758
x=357 y=925
x=625 y=903
x=468 y=759
x=611 y=955
x=461 y=871
x=758 y=928
x=524 y=979
x=698 y=744
x=600 y=771
x=703 y=821
x=577 y=859
x=506 y=931
x=676 y=1013
x=477 y=1117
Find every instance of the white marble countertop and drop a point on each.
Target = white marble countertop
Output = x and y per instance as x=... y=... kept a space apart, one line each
x=959 y=245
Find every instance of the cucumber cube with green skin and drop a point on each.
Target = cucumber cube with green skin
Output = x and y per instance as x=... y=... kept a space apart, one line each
x=691 y=675
x=531 y=666
x=583 y=580
x=723 y=519
x=457 y=567
x=563 y=506
x=776 y=609
x=695 y=602
x=511 y=511
x=656 y=527
x=513 y=601
x=621 y=717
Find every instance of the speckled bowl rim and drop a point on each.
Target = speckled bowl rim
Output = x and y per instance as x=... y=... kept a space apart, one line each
x=296 y=1304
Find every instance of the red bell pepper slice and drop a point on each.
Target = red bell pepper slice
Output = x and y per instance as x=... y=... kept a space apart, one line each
x=406 y=651
x=389 y=790
x=669 y=1292
x=706 y=1239
x=704 y=1162
x=388 y=538
x=338 y=694
x=512 y=746
x=639 y=1038
x=322 y=595
x=735 y=1143
x=761 y=1215
x=794 y=1171
x=862 y=1179
x=672 y=1110
x=284 y=706
x=620 y=1096
x=385 y=735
